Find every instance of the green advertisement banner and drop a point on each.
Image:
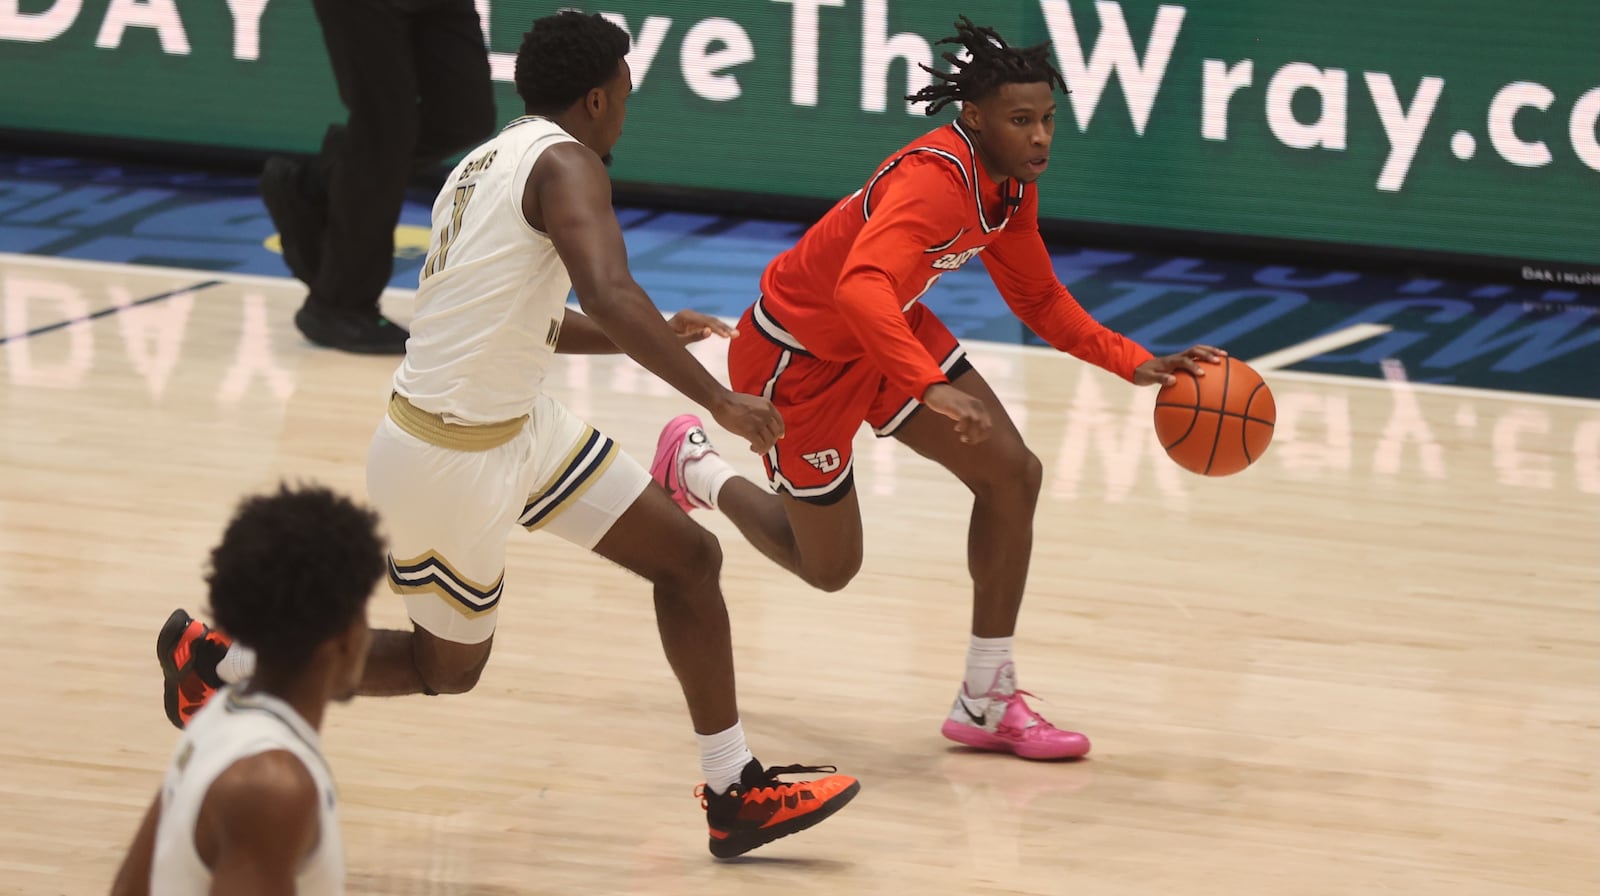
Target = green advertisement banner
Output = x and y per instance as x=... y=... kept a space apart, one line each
x=1442 y=126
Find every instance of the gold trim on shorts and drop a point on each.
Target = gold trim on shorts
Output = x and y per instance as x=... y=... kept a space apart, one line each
x=431 y=574
x=433 y=429
x=584 y=465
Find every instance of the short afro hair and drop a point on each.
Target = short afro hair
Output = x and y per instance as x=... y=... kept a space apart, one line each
x=294 y=569
x=565 y=56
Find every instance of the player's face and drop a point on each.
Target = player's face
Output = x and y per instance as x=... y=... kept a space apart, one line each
x=617 y=91
x=1014 y=126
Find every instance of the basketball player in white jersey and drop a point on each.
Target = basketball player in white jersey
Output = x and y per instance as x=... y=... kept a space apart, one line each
x=472 y=446
x=248 y=802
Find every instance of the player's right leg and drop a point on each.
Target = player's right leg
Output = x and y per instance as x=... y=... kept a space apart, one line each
x=447 y=495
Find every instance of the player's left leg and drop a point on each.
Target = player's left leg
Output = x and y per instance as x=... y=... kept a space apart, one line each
x=189 y=652
x=1004 y=477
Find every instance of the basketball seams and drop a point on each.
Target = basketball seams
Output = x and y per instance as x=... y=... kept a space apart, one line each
x=1227 y=371
x=1181 y=431
x=1194 y=416
x=1247 y=417
x=1244 y=428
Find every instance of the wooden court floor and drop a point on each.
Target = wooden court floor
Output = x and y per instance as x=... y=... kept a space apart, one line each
x=1369 y=664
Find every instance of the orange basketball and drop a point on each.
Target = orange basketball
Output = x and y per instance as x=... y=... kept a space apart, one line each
x=1217 y=424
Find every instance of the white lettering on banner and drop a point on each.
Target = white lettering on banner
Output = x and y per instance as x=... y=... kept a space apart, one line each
x=1113 y=52
x=879 y=50
x=1524 y=119
x=804 y=49
x=1581 y=128
x=1219 y=83
x=704 y=62
x=1404 y=129
x=161 y=15
x=1328 y=131
x=247 y=27
x=1503 y=110
x=37 y=27
x=652 y=34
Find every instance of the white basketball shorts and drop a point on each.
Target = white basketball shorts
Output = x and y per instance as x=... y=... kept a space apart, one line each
x=449 y=493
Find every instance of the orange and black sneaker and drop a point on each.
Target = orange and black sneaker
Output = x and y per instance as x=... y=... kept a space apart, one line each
x=760 y=808
x=189 y=652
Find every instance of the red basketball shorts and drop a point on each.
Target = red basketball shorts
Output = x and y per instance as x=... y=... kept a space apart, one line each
x=824 y=403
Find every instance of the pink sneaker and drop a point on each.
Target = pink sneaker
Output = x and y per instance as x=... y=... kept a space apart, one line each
x=1001 y=721
x=682 y=440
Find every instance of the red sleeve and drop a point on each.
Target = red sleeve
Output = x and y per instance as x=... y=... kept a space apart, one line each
x=1020 y=266
x=910 y=208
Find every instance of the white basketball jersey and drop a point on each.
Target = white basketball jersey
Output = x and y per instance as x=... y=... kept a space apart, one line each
x=493 y=289
x=232 y=727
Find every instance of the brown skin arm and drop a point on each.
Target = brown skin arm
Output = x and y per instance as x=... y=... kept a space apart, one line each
x=582 y=336
x=133 y=878
x=258 y=824
x=568 y=197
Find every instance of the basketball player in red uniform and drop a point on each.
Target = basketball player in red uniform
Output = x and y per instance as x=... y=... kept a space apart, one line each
x=841 y=338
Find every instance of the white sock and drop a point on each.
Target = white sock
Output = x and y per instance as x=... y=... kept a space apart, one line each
x=705 y=477
x=723 y=756
x=237 y=665
x=985 y=656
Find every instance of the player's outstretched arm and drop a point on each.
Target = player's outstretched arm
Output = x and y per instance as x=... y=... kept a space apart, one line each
x=582 y=336
x=568 y=196
x=133 y=878
x=258 y=824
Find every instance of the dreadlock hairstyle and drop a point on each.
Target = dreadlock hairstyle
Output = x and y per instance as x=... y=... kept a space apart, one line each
x=992 y=62
x=564 y=56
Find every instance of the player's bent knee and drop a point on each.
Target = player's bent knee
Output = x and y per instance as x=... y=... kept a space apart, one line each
x=449 y=668
x=1014 y=472
x=1031 y=472
x=695 y=560
x=457 y=679
x=832 y=576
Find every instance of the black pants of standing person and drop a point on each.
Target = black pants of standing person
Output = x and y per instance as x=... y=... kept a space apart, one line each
x=414 y=76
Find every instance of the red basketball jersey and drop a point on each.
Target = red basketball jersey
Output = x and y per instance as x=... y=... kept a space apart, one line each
x=842 y=291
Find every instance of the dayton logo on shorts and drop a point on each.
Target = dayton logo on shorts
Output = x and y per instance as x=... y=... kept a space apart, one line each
x=826 y=460
x=956 y=259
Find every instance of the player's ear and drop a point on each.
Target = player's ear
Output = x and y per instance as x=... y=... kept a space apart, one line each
x=971 y=117
x=596 y=100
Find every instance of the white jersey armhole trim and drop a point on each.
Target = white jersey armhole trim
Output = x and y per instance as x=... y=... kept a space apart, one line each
x=524 y=170
x=256 y=749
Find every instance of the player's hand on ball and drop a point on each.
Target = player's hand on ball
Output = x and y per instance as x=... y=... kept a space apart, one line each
x=971 y=415
x=751 y=418
x=1159 y=371
x=692 y=326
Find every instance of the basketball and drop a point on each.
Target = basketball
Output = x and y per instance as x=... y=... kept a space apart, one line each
x=1217 y=424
